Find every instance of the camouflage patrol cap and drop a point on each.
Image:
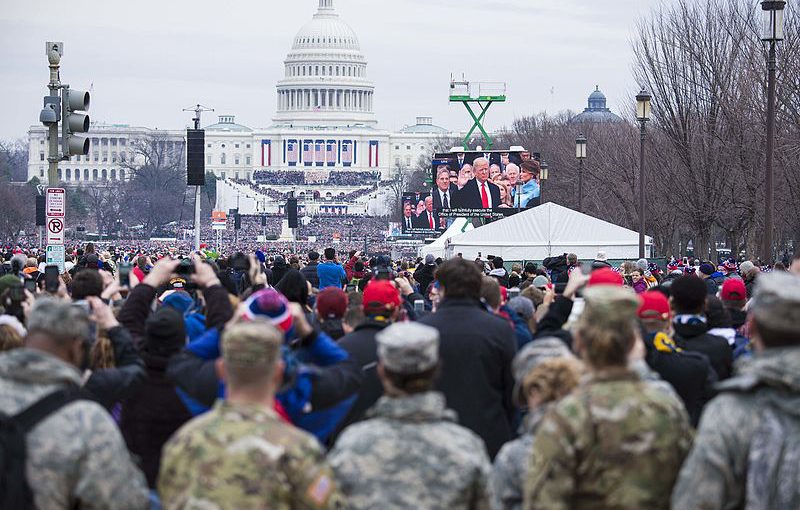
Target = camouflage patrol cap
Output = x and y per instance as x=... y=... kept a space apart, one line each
x=251 y=344
x=609 y=304
x=776 y=301
x=408 y=347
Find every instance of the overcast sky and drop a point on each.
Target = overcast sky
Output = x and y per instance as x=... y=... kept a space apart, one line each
x=147 y=60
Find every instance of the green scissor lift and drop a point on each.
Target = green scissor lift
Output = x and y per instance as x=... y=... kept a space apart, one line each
x=481 y=93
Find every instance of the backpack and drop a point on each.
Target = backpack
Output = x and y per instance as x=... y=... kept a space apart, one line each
x=14 y=489
x=773 y=463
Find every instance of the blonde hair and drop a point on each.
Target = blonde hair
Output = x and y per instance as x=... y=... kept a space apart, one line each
x=9 y=338
x=553 y=378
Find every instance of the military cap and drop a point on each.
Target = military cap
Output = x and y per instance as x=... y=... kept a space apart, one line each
x=408 y=347
x=776 y=301
x=251 y=344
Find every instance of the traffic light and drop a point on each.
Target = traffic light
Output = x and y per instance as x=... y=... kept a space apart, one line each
x=74 y=101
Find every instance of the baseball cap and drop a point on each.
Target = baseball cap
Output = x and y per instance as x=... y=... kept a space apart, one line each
x=604 y=276
x=654 y=306
x=733 y=289
x=429 y=259
x=380 y=294
x=331 y=303
x=540 y=282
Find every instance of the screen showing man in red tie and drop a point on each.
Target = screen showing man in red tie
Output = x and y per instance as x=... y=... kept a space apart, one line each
x=422 y=219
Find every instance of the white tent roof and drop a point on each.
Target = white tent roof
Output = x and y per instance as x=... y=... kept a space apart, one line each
x=459 y=226
x=544 y=231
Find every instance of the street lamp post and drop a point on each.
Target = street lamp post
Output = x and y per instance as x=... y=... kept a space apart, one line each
x=642 y=115
x=544 y=174
x=580 y=153
x=772 y=32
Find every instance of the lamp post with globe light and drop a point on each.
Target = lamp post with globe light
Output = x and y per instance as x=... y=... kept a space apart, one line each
x=642 y=115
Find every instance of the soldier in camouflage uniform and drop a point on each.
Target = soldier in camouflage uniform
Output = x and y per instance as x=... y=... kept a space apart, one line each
x=747 y=450
x=241 y=454
x=76 y=456
x=411 y=453
x=544 y=370
x=616 y=441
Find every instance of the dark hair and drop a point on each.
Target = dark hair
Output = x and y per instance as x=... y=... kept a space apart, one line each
x=497 y=262
x=716 y=313
x=460 y=279
x=688 y=294
x=87 y=282
x=312 y=255
x=294 y=286
x=413 y=383
x=531 y=166
x=330 y=253
x=796 y=255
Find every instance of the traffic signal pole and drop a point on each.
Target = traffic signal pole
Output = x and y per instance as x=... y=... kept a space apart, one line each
x=54 y=59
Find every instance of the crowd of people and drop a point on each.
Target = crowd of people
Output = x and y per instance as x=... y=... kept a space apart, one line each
x=298 y=177
x=151 y=377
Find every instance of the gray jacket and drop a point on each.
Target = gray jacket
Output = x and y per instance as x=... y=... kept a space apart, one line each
x=77 y=454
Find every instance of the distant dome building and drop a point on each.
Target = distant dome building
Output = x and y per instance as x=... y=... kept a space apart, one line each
x=597 y=110
x=424 y=125
x=325 y=79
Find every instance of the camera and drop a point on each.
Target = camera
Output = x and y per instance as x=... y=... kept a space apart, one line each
x=185 y=268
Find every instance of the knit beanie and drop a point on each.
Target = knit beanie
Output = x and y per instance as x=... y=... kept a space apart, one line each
x=165 y=333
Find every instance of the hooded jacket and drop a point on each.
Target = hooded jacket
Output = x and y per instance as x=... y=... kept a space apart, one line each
x=715 y=474
x=76 y=454
x=694 y=336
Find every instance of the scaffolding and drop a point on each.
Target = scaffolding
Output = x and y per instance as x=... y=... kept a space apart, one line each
x=483 y=94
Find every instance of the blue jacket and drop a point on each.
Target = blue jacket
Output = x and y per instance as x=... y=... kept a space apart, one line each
x=303 y=373
x=331 y=274
x=529 y=191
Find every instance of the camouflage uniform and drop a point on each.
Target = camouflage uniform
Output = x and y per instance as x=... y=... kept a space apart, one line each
x=411 y=454
x=616 y=442
x=244 y=456
x=511 y=465
x=715 y=475
x=76 y=456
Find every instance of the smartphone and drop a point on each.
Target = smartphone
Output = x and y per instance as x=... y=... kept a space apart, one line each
x=51 y=282
x=84 y=305
x=30 y=286
x=419 y=305
x=125 y=275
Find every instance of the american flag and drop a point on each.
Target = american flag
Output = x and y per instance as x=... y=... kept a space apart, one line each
x=266 y=152
x=308 y=152
x=319 y=152
x=347 y=152
x=330 y=152
x=292 y=152
x=373 y=153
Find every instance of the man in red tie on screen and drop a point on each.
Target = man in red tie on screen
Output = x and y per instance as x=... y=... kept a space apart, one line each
x=478 y=193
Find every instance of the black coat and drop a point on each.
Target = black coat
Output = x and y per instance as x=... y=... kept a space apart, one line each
x=310 y=272
x=361 y=346
x=151 y=417
x=437 y=197
x=689 y=372
x=695 y=337
x=278 y=272
x=476 y=349
x=424 y=276
x=469 y=197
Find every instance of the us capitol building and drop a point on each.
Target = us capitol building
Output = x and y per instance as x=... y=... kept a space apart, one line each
x=324 y=123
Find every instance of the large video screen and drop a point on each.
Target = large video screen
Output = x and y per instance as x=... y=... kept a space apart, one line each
x=482 y=184
x=419 y=215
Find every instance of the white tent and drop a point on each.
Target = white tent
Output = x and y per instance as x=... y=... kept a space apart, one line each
x=544 y=231
x=459 y=226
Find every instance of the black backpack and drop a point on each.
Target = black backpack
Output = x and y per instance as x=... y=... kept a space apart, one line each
x=14 y=489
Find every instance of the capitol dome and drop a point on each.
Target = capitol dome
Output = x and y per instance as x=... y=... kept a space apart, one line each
x=596 y=110
x=325 y=82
